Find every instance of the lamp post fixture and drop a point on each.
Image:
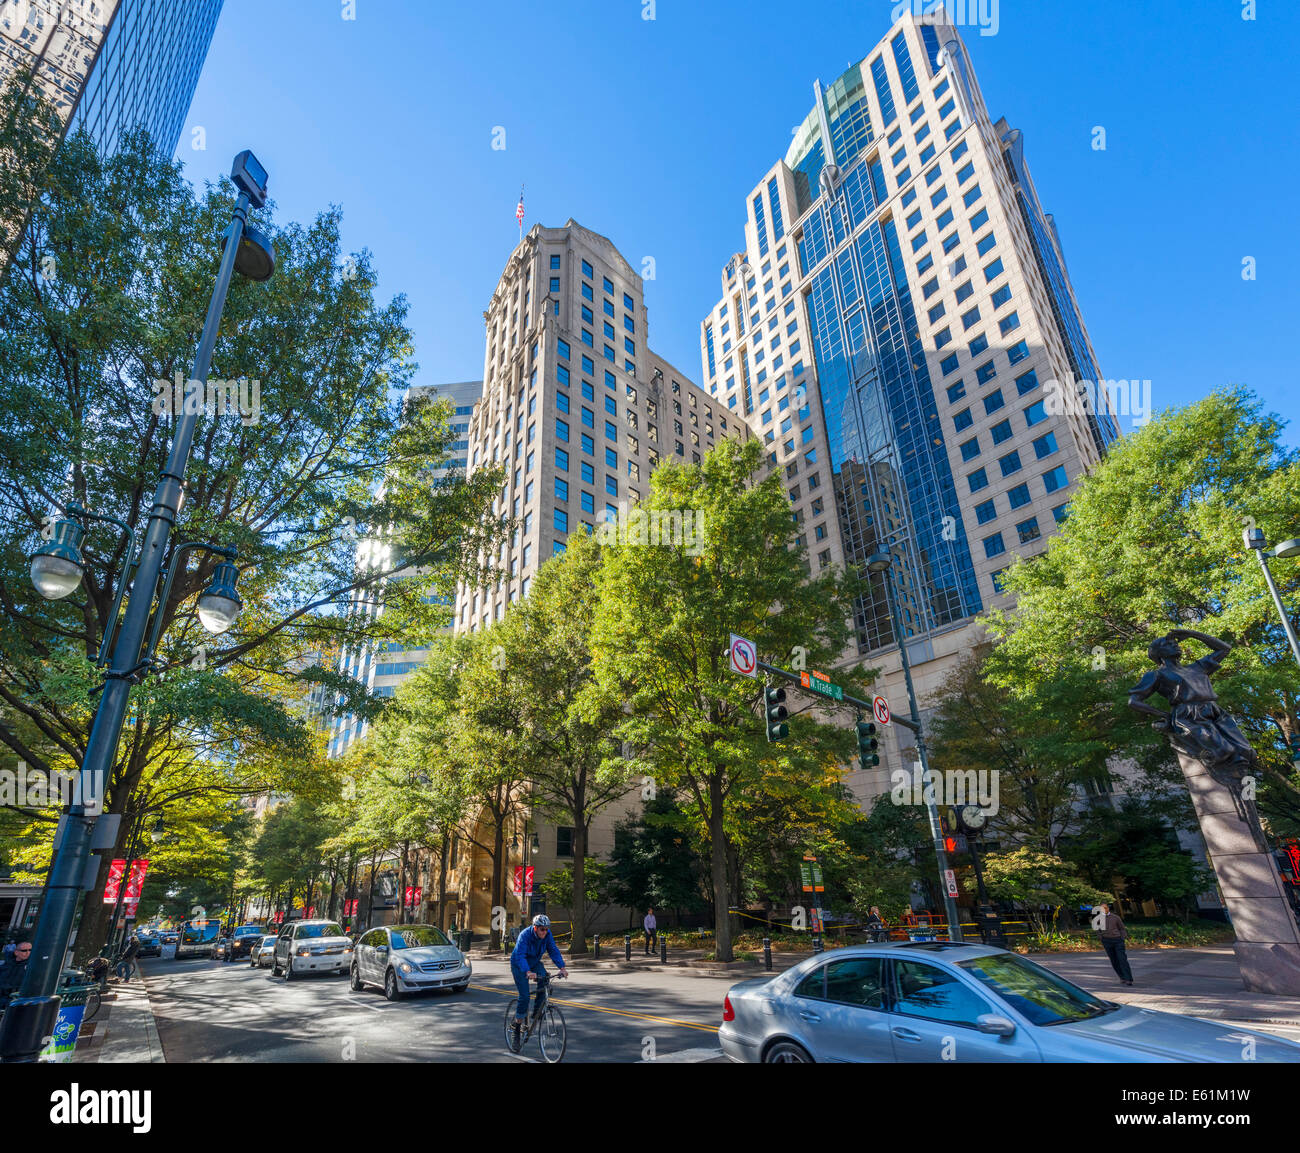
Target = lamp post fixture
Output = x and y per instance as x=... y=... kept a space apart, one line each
x=882 y=562
x=57 y=569
x=1254 y=539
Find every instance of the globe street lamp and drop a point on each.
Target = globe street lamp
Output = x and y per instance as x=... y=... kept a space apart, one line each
x=57 y=568
x=882 y=562
x=1254 y=539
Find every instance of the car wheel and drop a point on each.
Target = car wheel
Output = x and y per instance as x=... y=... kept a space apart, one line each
x=288 y=969
x=391 y=991
x=354 y=978
x=275 y=966
x=787 y=1053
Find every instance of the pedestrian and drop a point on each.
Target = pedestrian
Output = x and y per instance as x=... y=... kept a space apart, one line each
x=12 y=970
x=127 y=966
x=1113 y=932
x=876 y=925
x=651 y=927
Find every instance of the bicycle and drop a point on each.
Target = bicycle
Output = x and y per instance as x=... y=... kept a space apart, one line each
x=546 y=1020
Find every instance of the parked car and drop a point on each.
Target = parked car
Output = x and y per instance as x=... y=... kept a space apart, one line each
x=262 y=954
x=169 y=936
x=409 y=959
x=243 y=941
x=150 y=943
x=933 y=1001
x=198 y=938
x=314 y=946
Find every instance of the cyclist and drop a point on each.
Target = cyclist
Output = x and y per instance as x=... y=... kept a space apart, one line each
x=526 y=961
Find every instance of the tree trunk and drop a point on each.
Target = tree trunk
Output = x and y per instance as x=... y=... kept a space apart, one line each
x=442 y=880
x=498 y=878
x=718 y=856
x=370 y=895
x=401 y=887
x=578 y=947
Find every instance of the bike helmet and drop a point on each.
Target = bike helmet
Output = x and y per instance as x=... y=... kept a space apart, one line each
x=541 y=921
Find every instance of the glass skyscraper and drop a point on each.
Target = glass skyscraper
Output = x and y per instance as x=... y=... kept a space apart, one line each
x=147 y=70
x=901 y=331
x=111 y=65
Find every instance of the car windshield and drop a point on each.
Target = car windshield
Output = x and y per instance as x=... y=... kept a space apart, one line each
x=249 y=931
x=418 y=936
x=320 y=931
x=268 y=940
x=1042 y=996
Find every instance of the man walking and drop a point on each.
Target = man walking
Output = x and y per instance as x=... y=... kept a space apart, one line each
x=1113 y=932
x=651 y=926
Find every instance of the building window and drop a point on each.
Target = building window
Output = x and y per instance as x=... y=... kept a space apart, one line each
x=970 y=449
x=564 y=841
x=1001 y=431
x=1010 y=463
x=1019 y=496
x=962 y=420
x=1028 y=530
x=561 y=520
x=1045 y=445
x=985 y=512
x=993 y=545
x=1056 y=479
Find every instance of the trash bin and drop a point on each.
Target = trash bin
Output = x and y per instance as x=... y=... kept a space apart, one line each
x=466 y=936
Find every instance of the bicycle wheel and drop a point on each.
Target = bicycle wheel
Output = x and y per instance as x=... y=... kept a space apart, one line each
x=92 y=1005
x=514 y=1041
x=553 y=1037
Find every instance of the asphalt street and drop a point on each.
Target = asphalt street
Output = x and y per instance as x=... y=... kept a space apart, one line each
x=213 y=1011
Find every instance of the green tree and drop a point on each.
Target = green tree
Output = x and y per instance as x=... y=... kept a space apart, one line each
x=106 y=296
x=558 y=887
x=1153 y=542
x=572 y=757
x=661 y=634
x=1034 y=879
x=653 y=861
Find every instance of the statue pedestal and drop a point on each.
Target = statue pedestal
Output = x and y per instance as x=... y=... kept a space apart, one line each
x=1268 y=938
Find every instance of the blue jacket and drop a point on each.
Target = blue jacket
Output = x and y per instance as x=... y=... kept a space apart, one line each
x=530 y=947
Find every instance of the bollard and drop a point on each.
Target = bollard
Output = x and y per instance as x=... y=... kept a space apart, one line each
x=767 y=953
x=627 y=946
x=597 y=946
x=818 y=947
x=663 y=950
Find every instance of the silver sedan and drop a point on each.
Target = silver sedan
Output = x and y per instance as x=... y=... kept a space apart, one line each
x=409 y=959
x=934 y=1001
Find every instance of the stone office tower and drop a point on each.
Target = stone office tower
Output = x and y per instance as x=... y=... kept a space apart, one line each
x=575 y=403
x=900 y=329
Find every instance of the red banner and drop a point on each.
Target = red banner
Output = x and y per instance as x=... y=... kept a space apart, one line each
x=413 y=895
x=350 y=907
x=131 y=898
x=522 y=880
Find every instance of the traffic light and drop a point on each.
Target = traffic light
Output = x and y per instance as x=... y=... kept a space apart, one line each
x=774 y=706
x=867 y=744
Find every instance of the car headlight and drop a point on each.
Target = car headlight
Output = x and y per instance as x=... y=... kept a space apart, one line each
x=304 y=951
x=405 y=967
x=347 y=948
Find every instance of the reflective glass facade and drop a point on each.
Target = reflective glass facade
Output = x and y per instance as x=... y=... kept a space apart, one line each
x=147 y=70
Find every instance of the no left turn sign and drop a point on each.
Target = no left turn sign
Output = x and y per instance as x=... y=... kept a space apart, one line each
x=744 y=660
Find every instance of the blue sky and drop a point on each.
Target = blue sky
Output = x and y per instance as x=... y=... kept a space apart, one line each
x=652 y=132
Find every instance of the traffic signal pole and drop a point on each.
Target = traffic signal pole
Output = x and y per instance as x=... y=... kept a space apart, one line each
x=932 y=808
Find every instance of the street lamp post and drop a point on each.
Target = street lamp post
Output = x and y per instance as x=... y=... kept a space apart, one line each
x=881 y=562
x=56 y=572
x=1254 y=539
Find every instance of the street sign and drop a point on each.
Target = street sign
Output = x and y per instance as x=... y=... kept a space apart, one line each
x=810 y=876
x=815 y=920
x=950 y=879
x=744 y=658
x=821 y=683
x=880 y=707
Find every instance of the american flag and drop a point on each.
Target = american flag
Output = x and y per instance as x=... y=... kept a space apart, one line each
x=519 y=212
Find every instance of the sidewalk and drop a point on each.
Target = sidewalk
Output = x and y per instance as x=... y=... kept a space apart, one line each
x=123 y=1030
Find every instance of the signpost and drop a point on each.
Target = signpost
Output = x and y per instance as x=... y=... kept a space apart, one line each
x=744 y=657
x=880 y=710
x=950 y=879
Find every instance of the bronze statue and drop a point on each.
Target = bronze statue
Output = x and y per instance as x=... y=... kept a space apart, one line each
x=1196 y=726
